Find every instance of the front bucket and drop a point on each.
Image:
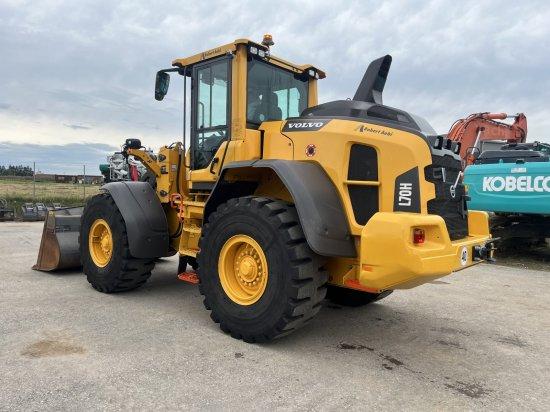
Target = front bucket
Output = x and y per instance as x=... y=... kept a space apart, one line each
x=59 y=248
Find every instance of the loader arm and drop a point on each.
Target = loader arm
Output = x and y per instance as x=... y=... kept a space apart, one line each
x=146 y=159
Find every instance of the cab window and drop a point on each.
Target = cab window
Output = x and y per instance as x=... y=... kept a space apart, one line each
x=273 y=93
x=211 y=108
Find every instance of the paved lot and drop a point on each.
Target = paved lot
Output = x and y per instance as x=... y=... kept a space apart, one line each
x=477 y=339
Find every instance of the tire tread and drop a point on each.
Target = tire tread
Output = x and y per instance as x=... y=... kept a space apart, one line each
x=134 y=272
x=308 y=278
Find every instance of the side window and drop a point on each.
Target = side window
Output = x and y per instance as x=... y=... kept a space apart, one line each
x=289 y=102
x=211 y=112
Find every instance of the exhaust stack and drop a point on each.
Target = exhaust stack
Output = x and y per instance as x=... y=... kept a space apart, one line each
x=371 y=87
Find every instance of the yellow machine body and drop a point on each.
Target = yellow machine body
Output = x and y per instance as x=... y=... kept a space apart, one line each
x=386 y=256
x=388 y=259
x=278 y=202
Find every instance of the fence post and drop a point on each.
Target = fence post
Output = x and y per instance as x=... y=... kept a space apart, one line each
x=84 y=183
x=34 y=181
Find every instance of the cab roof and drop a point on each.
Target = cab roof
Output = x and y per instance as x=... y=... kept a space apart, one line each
x=232 y=47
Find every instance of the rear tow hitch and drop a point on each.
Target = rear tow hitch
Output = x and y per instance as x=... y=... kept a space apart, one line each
x=485 y=252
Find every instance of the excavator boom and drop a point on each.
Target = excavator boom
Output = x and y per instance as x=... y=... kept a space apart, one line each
x=480 y=127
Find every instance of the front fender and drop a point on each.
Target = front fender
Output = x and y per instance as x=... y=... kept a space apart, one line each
x=145 y=220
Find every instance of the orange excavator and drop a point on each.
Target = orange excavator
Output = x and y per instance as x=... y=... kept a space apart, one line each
x=479 y=127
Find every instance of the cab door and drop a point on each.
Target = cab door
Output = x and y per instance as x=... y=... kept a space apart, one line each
x=210 y=118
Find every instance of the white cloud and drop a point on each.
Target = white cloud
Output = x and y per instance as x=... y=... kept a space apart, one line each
x=93 y=63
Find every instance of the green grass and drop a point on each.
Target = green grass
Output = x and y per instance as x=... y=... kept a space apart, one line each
x=17 y=192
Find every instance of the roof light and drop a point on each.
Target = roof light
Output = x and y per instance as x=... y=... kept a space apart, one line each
x=311 y=72
x=268 y=40
x=317 y=75
x=253 y=50
x=261 y=53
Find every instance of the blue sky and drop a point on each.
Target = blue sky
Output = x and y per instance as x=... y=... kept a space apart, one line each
x=83 y=72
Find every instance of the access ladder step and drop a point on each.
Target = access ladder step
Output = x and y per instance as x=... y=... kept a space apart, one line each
x=192 y=229
x=189 y=277
x=192 y=203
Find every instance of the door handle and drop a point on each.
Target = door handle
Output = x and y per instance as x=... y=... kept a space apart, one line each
x=213 y=163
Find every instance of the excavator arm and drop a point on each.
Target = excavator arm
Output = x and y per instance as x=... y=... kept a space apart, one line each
x=478 y=127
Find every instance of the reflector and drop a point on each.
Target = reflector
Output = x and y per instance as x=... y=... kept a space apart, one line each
x=419 y=236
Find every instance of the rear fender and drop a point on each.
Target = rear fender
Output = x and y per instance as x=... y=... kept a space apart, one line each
x=319 y=208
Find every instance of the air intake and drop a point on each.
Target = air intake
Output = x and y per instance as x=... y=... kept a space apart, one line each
x=371 y=87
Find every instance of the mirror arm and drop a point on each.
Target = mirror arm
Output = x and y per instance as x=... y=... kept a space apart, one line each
x=163 y=75
x=172 y=69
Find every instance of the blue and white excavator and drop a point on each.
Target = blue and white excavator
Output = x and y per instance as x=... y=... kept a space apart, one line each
x=514 y=183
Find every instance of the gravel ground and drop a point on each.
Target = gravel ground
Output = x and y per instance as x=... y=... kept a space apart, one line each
x=478 y=339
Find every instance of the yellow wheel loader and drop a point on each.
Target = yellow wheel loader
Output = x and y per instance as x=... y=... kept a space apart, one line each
x=280 y=200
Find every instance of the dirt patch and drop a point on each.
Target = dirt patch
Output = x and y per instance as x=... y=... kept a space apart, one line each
x=450 y=343
x=391 y=359
x=472 y=390
x=451 y=331
x=347 y=346
x=524 y=257
x=512 y=341
x=52 y=347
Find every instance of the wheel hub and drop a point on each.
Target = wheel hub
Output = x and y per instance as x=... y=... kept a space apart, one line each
x=100 y=243
x=242 y=269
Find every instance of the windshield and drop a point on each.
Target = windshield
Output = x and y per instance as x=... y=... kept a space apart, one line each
x=273 y=93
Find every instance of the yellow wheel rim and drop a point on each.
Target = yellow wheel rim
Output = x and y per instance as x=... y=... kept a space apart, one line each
x=242 y=268
x=100 y=243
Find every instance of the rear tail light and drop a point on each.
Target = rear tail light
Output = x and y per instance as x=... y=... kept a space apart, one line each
x=419 y=236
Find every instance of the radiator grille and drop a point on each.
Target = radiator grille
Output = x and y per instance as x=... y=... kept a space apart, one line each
x=363 y=166
x=443 y=173
x=363 y=163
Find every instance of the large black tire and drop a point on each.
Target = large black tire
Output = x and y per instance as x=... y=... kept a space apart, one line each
x=296 y=281
x=353 y=298
x=123 y=272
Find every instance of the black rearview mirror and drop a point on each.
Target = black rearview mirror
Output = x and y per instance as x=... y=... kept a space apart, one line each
x=161 y=85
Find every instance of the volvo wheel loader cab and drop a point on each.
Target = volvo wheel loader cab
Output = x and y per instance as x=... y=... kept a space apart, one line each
x=279 y=198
